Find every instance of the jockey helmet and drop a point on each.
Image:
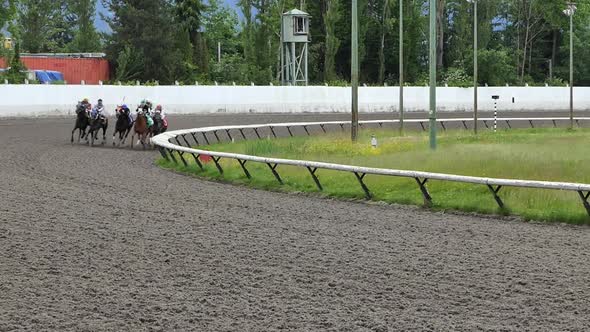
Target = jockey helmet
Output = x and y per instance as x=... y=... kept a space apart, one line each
x=100 y=100
x=85 y=100
x=159 y=108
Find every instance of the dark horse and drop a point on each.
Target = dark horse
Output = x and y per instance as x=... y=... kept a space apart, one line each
x=123 y=126
x=140 y=129
x=95 y=126
x=82 y=122
x=159 y=125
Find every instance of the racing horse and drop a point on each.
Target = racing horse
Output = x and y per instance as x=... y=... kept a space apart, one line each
x=122 y=127
x=82 y=123
x=95 y=126
x=159 y=125
x=140 y=129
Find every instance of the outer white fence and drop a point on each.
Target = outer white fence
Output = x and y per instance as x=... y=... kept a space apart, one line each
x=36 y=100
x=170 y=150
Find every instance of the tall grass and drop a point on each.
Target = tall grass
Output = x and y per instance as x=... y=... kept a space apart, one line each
x=535 y=154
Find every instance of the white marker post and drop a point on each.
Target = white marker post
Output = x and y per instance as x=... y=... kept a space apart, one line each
x=495 y=98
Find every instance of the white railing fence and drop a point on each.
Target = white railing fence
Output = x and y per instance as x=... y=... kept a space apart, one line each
x=203 y=136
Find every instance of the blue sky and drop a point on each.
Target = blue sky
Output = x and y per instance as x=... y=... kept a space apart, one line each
x=102 y=26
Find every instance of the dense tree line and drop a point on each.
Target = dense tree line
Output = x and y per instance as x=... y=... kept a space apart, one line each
x=168 y=40
x=51 y=25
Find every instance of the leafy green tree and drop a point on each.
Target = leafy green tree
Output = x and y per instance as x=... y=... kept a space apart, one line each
x=7 y=12
x=148 y=28
x=221 y=26
x=190 y=16
x=129 y=65
x=331 y=16
x=16 y=72
x=43 y=25
x=86 y=38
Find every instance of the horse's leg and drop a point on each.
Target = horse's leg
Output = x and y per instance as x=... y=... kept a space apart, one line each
x=114 y=135
x=121 y=136
x=143 y=139
x=132 y=139
x=104 y=134
x=72 y=140
x=91 y=134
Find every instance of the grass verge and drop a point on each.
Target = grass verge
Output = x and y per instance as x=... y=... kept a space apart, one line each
x=532 y=154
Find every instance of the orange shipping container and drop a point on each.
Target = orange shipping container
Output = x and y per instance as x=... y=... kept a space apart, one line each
x=75 y=70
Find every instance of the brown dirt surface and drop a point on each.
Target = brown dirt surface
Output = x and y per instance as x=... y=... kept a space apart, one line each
x=99 y=239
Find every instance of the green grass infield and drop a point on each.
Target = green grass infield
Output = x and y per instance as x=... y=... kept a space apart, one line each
x=528 y=154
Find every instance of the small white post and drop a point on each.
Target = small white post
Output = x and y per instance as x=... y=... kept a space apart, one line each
x=216 y=84
x=234 y=83
x=82 y=82
x=137 y=83
x=5 y=81
x=176 y=83
x=373 y=141
x=119 y=83
x=99 y=82
x=197 y=83
x=26 y=81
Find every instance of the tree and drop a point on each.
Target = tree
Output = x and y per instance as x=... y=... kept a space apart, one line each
x=43 y=25
x=190 y=16
x=86 y=38
x=149 y=29
x=221 y=26
x=331 y=17
x=7 y=12
x=16 y=72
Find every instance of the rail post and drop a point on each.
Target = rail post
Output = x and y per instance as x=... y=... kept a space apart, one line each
x=360 y=178
x=424 y=190
x=315 y=178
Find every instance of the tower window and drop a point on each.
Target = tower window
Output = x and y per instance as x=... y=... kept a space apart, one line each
x=300 y=26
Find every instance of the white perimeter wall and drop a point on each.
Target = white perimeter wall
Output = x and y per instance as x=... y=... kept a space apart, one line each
x=42 y=100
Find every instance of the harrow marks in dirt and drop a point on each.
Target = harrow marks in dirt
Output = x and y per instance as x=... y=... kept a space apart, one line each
x=101 y=239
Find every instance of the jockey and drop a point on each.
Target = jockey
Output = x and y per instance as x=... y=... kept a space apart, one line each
x=162 y=115
x=98 y=110
x=128 y=113
x=82 y=106
x=145 y=106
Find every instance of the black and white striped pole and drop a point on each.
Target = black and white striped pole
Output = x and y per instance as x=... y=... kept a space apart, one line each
x=495 y=98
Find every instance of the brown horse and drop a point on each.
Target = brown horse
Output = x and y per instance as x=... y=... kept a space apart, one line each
x=140 y=129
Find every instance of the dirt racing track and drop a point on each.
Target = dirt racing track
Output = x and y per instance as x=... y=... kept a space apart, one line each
x=99 y=239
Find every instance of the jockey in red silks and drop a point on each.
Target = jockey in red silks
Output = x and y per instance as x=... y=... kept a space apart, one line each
x=160 y=111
